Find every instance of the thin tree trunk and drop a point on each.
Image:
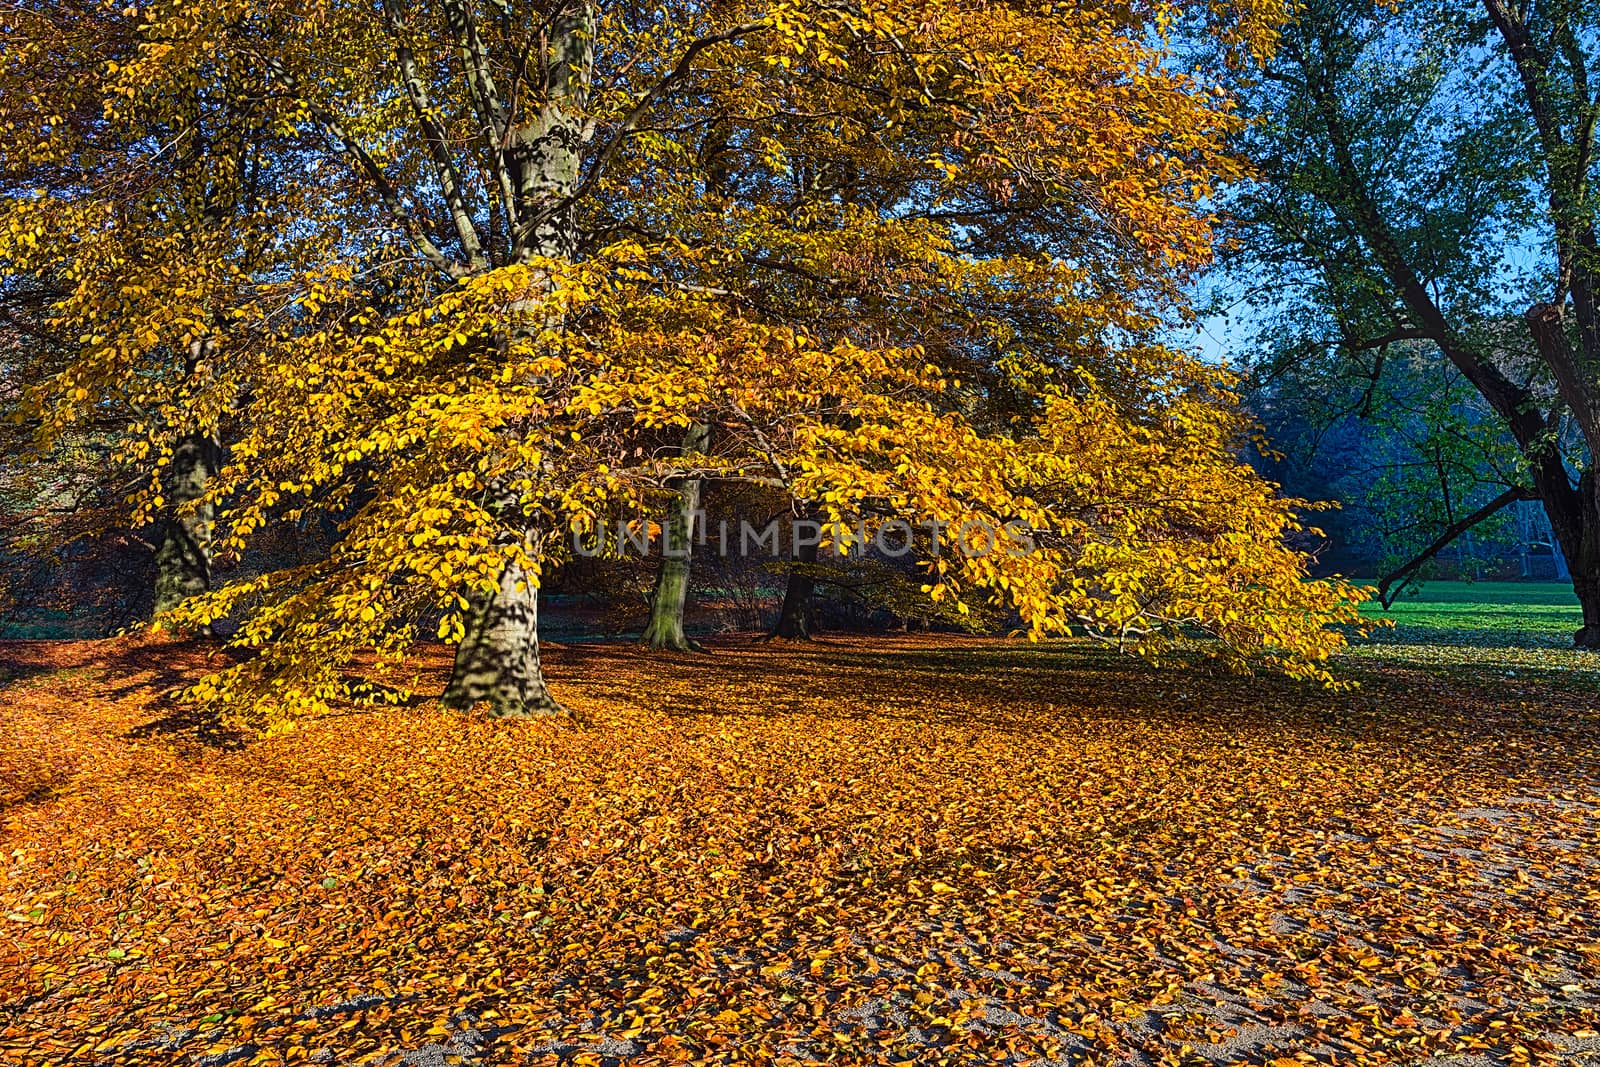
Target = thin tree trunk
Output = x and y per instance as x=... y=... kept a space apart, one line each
x=665 y=628
x=796 y=620
x=183 y=559
x=671 y=594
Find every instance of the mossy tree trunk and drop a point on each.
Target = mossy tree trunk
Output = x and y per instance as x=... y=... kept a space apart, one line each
x=498 y=660
x=671 y=594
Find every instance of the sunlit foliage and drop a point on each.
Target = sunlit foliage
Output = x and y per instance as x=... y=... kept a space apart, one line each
x=454 y=271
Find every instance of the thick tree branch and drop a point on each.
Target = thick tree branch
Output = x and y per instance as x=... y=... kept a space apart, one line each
x=434 y=137
x=1391 y=583
x=1404 y=333
x=485 y=96
x=347 y=145
x=642 y=107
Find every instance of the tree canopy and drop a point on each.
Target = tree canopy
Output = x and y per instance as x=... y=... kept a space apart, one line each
x=458 y=277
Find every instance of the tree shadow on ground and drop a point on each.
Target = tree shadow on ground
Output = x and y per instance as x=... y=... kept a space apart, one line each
x=22 y=661
x=1470 y=637
x=31 y=793
x=191 y=724
x=159 y=673
x=1016 y=690
x=165 y=668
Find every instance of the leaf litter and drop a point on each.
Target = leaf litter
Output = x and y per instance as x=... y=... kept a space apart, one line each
x=906 y=850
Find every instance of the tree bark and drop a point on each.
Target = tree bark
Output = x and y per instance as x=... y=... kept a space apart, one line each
x=665 y=628
x=796 y=619
x=183 y=559
x=498 y=659
x=1583 y=560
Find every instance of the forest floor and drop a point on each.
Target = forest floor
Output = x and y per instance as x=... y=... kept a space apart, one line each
x=869 y=850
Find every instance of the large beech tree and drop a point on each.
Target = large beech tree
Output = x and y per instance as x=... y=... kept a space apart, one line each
x=901 y=260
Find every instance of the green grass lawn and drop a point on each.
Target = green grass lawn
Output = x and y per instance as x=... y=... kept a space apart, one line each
x=1485 y=631
x=1499 y=613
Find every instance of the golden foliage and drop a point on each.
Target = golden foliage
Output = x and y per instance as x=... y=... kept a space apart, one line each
x=906 y=259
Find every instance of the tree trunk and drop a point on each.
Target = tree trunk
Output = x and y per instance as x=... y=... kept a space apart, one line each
x=665 y=628
x=498 y=659
x=183 y=559
x=1583 y=559
x=795 y=619
x=665 y=631
x=1587 y=586
x=1575 y=530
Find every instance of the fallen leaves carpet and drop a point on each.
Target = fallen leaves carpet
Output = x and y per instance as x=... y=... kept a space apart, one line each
x=867 y=851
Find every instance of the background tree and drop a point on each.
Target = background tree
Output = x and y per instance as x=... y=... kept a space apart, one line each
x=796 y=612
x=1426 y=178
x=664 y=630
x=141 y=198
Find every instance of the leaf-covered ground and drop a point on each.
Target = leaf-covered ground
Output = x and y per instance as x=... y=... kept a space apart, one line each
x=870 y=851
